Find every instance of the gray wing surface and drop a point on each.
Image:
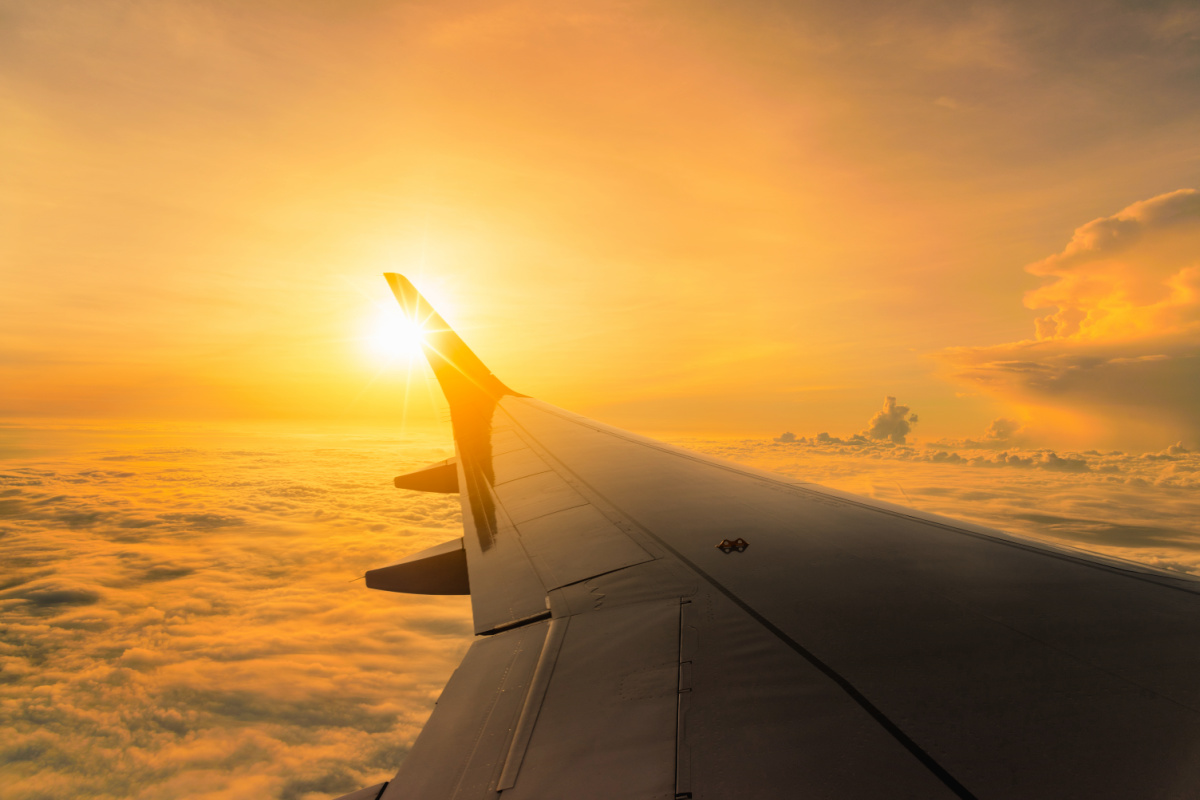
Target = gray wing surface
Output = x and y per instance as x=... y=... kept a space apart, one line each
x=850 y=649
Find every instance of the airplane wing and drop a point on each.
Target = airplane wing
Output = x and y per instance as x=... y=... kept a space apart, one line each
x=655 y=623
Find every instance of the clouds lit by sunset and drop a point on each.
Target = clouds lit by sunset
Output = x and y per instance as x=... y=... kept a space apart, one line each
x=1122 y=339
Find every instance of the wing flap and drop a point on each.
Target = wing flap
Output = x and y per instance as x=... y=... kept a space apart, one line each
x=606 y=727
x=583 y=705
x=461 y=750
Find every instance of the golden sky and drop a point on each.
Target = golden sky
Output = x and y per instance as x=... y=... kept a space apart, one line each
x=731 y=218
x=952 y=249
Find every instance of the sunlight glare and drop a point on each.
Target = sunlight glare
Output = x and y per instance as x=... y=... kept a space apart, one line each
x=394 y=337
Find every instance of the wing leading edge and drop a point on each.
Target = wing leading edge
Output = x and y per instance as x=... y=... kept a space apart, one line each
x=853 y=649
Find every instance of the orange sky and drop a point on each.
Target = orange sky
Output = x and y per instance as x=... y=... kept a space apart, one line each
x=729 y=218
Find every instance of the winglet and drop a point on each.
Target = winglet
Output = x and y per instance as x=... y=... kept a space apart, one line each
x=463 y=377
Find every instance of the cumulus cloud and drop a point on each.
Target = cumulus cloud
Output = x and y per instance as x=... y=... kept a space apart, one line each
x=1054 y=462
x=1122 y=334
x=1002 y=430
x=1001 y=434
x=893 y=422
x=1135 y=273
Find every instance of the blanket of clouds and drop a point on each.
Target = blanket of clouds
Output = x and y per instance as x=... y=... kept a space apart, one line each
x=181 y=619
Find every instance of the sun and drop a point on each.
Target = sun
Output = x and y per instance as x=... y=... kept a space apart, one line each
x=392 y=336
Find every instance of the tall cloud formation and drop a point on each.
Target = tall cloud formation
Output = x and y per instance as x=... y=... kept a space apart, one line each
x=1122 y=336
x=892 y=422
x=1131 y=275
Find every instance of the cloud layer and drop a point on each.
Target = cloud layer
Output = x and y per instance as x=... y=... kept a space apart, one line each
x=181 y=618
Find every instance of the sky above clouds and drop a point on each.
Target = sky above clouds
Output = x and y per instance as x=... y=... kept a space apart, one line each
x=675 y=216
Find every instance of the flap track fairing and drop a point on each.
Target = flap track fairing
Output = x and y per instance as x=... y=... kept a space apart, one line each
x=441 y=569
x=441 y=477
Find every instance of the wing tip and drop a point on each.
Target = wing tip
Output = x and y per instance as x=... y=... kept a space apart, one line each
x=459 y=371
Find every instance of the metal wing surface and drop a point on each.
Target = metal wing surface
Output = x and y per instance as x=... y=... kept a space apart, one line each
x=843 y=648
